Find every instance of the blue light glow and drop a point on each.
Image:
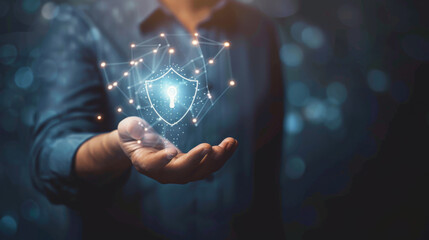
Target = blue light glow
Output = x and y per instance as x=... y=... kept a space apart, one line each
x=315 y=111
x=377 y=80
x=8 y=225
x=24 y=77
x=336 y=92
x=313 y=37
x=293 y=123
x=291 y=55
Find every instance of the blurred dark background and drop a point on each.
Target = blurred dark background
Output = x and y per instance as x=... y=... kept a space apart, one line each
x=356 y=128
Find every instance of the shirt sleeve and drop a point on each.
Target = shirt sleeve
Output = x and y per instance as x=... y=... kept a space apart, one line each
x=71 y=94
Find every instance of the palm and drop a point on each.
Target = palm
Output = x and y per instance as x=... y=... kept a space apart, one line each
x=159 y=159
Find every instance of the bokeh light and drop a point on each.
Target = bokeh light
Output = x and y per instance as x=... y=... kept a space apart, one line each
x=24 y=77
x=49 y=10
x=293 y=123
x=333 y=118
x=315 y=111
x=313 y=37
x=336 y=92
x=30 y=210
x=30 y=5
x=291 y=55
x=8 y=225
x=377 y=80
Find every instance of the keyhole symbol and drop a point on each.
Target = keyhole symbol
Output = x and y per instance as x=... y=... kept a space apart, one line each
x=172 y=92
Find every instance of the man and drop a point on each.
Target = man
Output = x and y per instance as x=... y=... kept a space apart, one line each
x=100 y=169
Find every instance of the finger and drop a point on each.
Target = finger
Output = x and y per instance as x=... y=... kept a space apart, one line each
x=180 y=169
x=132 y=128
x=216 y=159
x=150 y=162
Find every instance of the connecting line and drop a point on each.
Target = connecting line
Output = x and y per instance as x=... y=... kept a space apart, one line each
x=190 y=61
x=156 y=122
x=208 y=39
x=202 y=108
x=205 y=71
x=201 y=73
x=125 y=114
x=176 y=34
x=166 y=40
x=154 y=56
x=120 y=90
x=211 y=44
x=150 y=52
x=145 y=41
x=119 y=63
x=229 y=64
x=146 y=45
x=217 y=54
x=105 y=76
x=159 y=63
x=147 y=66
x=224 y=91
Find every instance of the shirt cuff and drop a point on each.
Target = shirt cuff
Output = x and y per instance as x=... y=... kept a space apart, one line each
x=63 y=152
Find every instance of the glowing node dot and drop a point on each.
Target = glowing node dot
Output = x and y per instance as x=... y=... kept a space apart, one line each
x=133 y=45
x=232 y=83
x=139 y=141
x=162 y=34
x=226 y=44
x=99 y=117
x=132 y=62
x=131 y=101
x=125 y=74
x=119 y=109
x=209 y=96
x=211 y=61
x=155 y=51
x=103 y=64
x=196 y=34
x=197 y=71
x=171 y=50
x=109 y=87
x=115 y=84
x=194 y=42
x=194 y=120
x=145 y=129
x=141 y=60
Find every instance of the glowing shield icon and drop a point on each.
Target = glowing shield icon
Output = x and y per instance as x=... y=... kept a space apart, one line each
x=171 y=95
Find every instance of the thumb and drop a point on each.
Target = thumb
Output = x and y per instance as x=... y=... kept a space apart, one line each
x=131 y=128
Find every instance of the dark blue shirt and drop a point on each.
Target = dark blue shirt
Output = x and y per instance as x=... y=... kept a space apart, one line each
x=241 y=198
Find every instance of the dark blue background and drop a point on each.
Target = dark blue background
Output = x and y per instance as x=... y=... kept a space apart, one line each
x=349 y=65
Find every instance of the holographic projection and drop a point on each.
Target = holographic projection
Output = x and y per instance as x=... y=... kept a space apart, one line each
x=167 y=80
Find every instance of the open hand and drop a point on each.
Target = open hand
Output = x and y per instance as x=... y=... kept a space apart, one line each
x=156 y=157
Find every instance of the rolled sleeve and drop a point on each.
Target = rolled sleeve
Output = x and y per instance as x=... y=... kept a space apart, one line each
x=71 y=94
x=61 y=153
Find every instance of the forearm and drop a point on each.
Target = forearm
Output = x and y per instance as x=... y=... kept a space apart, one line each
x=101 y=159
